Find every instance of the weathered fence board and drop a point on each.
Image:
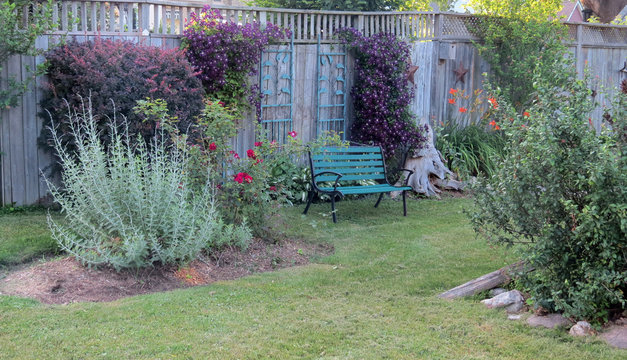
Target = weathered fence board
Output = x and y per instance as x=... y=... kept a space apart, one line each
x=440 y=43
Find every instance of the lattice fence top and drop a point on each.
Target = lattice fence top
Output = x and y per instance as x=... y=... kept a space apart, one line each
x=167 y=18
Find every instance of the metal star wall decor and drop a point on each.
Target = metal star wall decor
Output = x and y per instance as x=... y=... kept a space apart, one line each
x=411 y=71
x=460 y=72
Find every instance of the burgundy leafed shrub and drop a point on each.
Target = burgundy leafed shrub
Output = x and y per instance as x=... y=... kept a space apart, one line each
x=119 y=72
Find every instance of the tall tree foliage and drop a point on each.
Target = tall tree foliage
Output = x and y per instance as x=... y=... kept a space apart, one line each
x=518 y=38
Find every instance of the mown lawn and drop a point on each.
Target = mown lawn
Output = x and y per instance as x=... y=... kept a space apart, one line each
x=24 y=236
x=375 y=298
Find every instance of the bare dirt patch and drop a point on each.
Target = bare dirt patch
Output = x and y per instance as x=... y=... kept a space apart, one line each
x=65 y=280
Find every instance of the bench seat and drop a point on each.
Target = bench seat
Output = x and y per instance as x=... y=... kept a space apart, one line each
x=342 y=166
x=370 y=189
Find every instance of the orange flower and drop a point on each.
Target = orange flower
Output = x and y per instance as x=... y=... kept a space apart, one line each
x=451 y=101
x=526 y=114
x=492 y=123
x=497 y=127
x=452 y=91
x=462 y=109
x=493 y=102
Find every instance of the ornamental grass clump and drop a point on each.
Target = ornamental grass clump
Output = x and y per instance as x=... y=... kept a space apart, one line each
x=128 y=205
x=561 y=192
x=382 y=92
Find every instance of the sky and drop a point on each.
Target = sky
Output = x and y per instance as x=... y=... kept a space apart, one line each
x=458 y=5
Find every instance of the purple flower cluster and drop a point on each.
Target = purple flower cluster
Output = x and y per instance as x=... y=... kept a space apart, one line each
x=382 y=93
x=225 y=53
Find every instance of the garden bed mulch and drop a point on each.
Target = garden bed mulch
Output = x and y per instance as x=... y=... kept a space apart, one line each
x=65 y=280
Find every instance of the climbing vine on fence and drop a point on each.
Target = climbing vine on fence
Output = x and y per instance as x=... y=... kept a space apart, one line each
x=382 y=92
x=226 y=55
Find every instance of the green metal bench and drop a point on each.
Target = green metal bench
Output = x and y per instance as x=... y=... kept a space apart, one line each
x=346 y=164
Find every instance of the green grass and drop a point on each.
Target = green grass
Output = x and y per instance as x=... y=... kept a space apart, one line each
x=375 y=298
x=24 y=236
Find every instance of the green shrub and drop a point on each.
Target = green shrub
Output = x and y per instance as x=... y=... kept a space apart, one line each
x=518 y=39
x=131 y=206
x=18 y=39
x=562 y=191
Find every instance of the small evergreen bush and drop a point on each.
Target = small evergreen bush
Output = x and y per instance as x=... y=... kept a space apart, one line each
x=562 y=192
x=121 y=72
x=130 y=206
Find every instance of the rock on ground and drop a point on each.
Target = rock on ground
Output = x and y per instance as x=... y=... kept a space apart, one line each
x=550 y=321
x=581 y=328
x=497 y=291
x=616 y=336
x=512 y=300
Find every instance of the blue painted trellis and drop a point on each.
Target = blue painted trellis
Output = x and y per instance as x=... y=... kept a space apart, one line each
x=276 y=84
x=330 y=92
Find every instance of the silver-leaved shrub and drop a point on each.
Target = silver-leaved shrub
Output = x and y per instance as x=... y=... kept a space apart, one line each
x=129 y=205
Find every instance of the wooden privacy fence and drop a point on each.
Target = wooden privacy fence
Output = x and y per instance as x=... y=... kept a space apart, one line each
x=129 y=17
x=440 y=43
x=168 y=18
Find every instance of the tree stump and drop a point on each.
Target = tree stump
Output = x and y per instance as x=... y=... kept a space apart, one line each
x=430 y=172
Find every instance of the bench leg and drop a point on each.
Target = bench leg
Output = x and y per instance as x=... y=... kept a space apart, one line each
x=404 y=205
x=333 y=208
x=378 y=201
x=309 y=200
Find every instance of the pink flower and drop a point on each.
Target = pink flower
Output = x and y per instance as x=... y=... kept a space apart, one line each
x=251 y=153
x=213 y=146
x=258 y=143
x=292 y=134
x=272 y=188
x=221 y=103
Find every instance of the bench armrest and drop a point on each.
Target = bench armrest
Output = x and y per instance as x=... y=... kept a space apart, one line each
x=411 y=172
x=313 y=180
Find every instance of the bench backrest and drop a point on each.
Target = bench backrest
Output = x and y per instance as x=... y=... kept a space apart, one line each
x=354 y=162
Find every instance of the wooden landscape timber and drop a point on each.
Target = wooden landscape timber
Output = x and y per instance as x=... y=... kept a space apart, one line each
x=485 y=282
